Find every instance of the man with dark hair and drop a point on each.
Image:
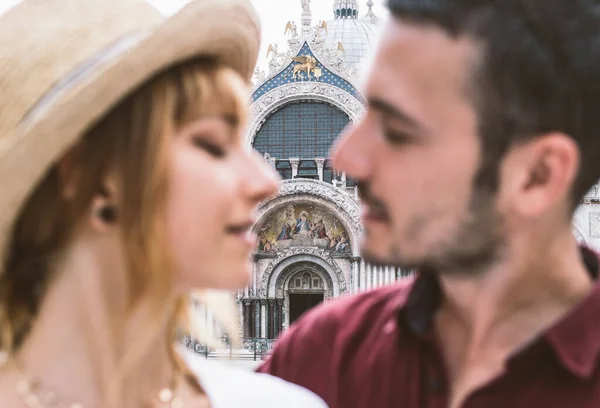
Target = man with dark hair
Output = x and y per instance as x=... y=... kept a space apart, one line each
x=482 y=134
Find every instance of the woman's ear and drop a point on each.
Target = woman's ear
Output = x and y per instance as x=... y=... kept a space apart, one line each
x=104 y=213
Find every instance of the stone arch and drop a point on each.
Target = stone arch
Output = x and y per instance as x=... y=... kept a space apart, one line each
x=294 y=268
x=268 y=283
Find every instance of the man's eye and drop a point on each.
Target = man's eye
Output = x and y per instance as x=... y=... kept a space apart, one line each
x=397 y=138
x=209 y=147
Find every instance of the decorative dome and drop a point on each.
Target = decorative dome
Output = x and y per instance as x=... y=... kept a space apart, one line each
x=355 y=35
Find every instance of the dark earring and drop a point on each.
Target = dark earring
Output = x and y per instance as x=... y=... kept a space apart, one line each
x=108 y=214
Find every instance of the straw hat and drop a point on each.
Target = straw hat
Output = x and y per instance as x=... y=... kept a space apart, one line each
x=64 y=63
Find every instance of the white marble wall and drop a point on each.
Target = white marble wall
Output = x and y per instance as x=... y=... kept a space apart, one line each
x=586 y=221
x=586 y=225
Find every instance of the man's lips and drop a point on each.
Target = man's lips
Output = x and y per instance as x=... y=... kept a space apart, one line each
x=374 y=213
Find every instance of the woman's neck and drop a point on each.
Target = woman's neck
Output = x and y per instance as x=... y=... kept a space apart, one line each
x=72 y=347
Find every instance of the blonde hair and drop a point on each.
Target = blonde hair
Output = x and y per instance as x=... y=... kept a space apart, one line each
x=130 y=140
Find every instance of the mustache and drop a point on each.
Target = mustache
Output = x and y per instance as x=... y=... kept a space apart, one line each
x=376 y=206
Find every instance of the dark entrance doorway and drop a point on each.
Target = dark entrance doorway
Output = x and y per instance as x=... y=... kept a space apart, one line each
x=302 y=302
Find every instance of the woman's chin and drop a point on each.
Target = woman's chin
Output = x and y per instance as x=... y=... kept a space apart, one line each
x=232 y=279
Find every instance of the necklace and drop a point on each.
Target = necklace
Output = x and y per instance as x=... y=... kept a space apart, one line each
x=35 y=395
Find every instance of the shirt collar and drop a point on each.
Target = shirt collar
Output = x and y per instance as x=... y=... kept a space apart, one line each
x=575 y=339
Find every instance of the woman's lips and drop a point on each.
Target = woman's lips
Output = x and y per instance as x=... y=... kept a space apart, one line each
x=243 y=232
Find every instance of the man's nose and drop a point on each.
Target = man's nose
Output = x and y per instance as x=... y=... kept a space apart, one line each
x=350 y=153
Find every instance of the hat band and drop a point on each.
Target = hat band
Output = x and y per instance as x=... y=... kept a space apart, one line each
x=80 y=73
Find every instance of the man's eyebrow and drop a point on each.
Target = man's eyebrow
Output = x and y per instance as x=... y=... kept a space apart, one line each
x=393 y=111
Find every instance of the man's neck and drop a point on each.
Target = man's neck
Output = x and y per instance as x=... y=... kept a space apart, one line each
x=484 y=319
x=549 y=277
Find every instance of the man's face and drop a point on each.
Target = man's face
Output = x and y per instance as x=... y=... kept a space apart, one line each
x=416 y=153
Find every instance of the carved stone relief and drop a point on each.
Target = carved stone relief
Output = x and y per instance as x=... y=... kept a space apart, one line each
x=594 y=224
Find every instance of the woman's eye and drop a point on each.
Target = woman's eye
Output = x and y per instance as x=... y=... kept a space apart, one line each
x=210 y=148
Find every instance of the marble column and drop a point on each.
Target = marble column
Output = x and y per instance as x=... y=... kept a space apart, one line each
x=263 y=318
x=294 y=162
x=355 y=277
x=373 y=277
x=254 y=277
x=278 y=317
x=320 y=164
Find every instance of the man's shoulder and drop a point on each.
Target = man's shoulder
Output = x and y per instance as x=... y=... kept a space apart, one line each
x=309 y=352
x=349 y=318
x=358 y=309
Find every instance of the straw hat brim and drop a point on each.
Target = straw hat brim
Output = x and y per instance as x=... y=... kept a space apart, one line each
x=227 y=30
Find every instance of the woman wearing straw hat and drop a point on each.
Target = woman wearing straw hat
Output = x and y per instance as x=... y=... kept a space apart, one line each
x=125 y=185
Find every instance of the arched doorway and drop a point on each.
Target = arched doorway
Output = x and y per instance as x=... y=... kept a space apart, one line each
x=306 y=289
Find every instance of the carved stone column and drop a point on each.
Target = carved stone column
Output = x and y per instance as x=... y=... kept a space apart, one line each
x=294 y=162
x=256 y=320
x=254 y=283
x=273 y=162
x=271 y=319
x=320 y=165
x=248 y=318
x=278 y=317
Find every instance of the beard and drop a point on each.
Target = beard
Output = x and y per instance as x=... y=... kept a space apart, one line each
x=476 y=243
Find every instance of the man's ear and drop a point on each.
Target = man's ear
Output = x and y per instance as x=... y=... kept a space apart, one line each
x=541 y=173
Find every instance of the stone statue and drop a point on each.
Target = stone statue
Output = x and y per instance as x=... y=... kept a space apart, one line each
x=305 y=6
x=259 y=76
x=275 y=61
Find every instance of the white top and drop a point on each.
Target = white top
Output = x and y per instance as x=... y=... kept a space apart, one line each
x=228 y=387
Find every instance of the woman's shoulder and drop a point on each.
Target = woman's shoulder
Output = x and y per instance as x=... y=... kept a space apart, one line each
x=229 y=386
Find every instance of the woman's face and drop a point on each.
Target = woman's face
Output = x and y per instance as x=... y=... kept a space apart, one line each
x=215 y=187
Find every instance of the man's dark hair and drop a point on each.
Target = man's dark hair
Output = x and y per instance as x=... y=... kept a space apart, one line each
x=539 y=72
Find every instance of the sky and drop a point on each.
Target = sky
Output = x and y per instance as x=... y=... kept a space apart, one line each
x=274 y=15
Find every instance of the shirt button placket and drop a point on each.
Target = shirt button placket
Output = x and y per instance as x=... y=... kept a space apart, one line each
x=435 y=383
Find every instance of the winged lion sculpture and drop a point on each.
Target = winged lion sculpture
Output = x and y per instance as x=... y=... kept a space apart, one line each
x=306 y=63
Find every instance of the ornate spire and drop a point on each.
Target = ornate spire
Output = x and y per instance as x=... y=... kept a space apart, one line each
x=345 y=9
x=371 y=14
x=306 y=15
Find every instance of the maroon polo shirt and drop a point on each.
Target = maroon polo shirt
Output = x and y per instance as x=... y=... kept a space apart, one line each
x=376 y=349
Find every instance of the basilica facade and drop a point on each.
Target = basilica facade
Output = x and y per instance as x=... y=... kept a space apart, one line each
x=308 y=233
